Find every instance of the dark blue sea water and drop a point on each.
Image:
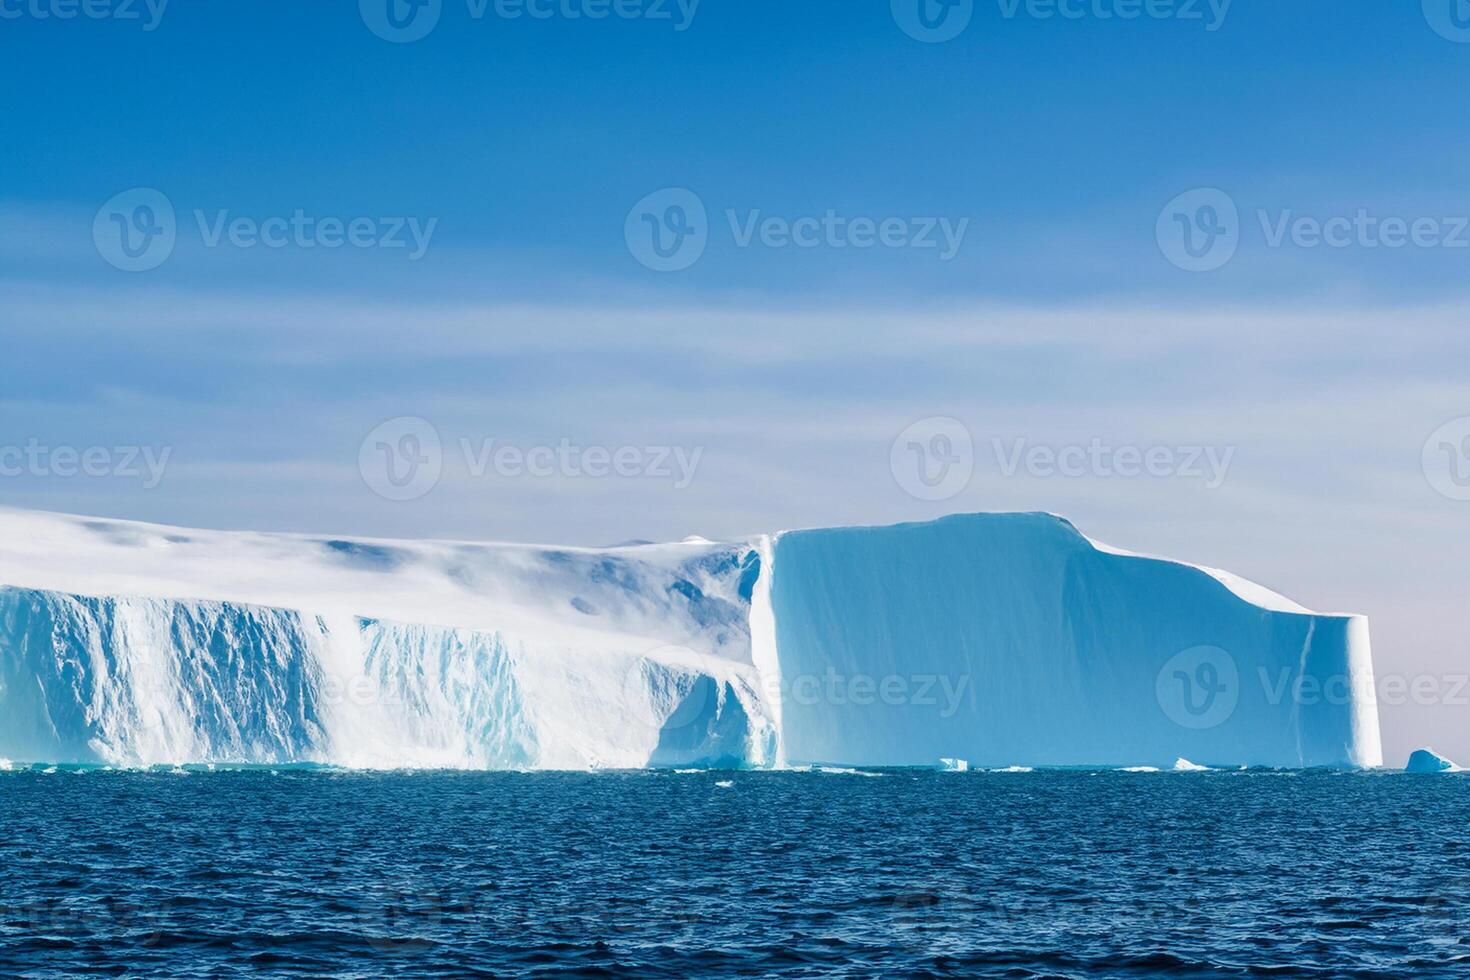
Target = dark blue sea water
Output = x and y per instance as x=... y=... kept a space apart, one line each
x=1061 y=874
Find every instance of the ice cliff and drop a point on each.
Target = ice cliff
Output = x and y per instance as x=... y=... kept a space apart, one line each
x=1005 y=639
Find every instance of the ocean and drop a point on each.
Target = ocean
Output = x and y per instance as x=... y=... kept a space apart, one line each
x=196 y=873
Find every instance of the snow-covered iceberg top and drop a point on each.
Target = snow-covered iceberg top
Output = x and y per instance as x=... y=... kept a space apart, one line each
x=1008 y=640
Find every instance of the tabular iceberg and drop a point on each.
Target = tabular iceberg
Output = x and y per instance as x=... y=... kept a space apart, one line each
x=1002 y=639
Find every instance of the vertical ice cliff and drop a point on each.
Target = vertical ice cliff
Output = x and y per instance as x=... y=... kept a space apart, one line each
x=129 y=645
x=1010 y=639
x=999 y=639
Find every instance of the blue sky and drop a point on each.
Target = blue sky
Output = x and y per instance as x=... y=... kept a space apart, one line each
x=1060 y=144
x=1060 y=139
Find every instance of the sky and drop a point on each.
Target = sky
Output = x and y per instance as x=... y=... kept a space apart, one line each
x=1191 y=274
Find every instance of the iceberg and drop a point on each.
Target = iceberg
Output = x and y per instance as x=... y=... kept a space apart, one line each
x=1427 y=760
x=1012 y=639
x=1006 y=640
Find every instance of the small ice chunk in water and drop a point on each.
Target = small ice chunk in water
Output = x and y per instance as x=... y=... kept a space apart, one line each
x=954 y=765
x=1427 y=760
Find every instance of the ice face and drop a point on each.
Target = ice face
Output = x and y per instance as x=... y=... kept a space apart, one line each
x=1427 y=760
x=1005 y=640
x=139 y=682
x=130 y=645
x=1010 y=639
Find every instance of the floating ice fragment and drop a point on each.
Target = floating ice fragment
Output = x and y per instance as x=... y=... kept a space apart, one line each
x=1427 y=760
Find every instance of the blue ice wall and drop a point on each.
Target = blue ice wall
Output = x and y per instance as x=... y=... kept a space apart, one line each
x=129 y=681
x=86 y=679
x=1008 y=639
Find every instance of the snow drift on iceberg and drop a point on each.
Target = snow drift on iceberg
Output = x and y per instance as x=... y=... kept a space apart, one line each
x=1006 y=640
